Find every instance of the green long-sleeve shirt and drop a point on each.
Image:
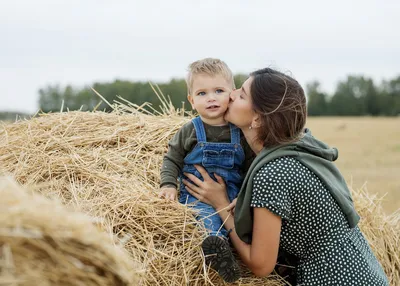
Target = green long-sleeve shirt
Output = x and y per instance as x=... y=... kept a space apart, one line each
x=185 y=140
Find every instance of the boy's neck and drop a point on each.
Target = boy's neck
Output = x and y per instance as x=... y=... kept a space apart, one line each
x=214 y=122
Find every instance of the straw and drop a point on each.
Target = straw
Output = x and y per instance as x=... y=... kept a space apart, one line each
x=43 y=243
x=382 y=232
x=107 y=165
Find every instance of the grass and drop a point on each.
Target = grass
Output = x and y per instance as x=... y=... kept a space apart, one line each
x=369 y=152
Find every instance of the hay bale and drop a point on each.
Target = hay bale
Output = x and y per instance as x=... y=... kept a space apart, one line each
x=382 y=232
x=107 y=165
x=42 y=243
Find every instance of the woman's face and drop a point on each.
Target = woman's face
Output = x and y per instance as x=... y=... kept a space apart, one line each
x=240 y=109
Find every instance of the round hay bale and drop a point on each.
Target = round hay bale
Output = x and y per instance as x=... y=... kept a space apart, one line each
x=42 y=243
x=107 y=165
x=382 y=232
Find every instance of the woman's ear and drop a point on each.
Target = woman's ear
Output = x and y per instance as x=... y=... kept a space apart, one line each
x=256 y=122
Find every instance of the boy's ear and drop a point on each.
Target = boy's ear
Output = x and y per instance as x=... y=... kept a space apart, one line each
x=190 y=99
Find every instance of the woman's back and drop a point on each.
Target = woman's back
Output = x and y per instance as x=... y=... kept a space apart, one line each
x=314 y=227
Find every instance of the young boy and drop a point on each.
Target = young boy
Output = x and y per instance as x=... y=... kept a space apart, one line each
x=218 y=146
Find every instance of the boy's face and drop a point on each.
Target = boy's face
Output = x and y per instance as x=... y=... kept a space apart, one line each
x=210 y=97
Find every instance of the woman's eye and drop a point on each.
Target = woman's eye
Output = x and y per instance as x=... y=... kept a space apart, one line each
x=219 y=91
x=201 y=93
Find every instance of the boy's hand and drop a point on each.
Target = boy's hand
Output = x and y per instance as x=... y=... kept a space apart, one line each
x=168 y=193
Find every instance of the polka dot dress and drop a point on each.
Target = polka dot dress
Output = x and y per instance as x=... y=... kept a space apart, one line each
x=314 y=227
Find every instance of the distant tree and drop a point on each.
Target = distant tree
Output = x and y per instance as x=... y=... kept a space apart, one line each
x=349 y=97
x=317 y=100
x=240 y=79
x=50 y=98
x=373 y=102
x=13 y=115
x=69 y=97
x=85 y=99
x=176 y=90
x=357 y=95
x=391 y=94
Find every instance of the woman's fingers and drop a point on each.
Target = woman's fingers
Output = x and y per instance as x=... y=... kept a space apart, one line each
x=231 y=207
x=209 y=191
x=203 y=172
x=219 y=179
x=191 y=188
x=195 y=194
x=193 y=178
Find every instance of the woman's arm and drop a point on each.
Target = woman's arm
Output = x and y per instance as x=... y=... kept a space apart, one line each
x=260 y=256
x=265 y=243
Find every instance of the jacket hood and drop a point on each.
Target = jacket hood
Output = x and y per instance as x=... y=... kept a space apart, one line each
x=311 y=145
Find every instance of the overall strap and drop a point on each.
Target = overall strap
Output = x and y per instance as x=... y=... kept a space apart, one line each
x=235 y=134
x=200 y=131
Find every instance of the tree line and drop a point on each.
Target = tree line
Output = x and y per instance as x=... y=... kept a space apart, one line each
x=354 y=96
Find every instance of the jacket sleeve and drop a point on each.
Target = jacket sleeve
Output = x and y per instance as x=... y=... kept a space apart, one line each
x=178 y=147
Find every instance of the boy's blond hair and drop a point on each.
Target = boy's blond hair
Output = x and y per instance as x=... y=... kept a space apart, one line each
x=210 y=67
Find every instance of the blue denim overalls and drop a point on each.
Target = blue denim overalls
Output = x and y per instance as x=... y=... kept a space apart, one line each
x=224 y=159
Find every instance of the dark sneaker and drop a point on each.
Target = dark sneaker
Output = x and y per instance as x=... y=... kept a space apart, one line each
x=286 y=266
x=219 y=256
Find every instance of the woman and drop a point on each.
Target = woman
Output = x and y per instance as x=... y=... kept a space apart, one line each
x=293 y=198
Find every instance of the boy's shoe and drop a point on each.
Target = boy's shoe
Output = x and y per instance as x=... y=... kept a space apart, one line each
x=218 y=254
x=286 y=266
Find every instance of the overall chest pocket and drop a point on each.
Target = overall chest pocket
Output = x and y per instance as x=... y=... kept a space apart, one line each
x=223 y=158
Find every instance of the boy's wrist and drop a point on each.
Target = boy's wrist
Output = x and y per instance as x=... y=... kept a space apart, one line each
x=169 y=186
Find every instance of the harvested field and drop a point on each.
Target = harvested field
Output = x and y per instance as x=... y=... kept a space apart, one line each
x=369 y=152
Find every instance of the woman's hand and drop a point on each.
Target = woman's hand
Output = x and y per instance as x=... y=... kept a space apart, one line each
x=232 y=206
x=208 y=191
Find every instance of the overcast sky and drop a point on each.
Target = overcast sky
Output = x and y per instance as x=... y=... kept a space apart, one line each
x=79 y=42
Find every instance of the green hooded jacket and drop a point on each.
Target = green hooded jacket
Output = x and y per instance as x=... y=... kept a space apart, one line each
x=312 y=153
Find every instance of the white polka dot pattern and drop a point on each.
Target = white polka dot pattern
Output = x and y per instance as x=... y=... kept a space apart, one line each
x=314 y=227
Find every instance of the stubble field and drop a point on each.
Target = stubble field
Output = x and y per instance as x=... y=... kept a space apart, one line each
x=369 y=153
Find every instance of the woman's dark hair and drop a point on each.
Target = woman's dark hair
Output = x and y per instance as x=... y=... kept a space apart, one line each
x=280 y=101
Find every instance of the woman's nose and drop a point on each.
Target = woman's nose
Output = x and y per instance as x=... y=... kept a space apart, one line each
x=232 y=95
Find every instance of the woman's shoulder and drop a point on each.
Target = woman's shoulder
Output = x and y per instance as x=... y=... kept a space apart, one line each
x=282 y=166
x=277 y=175
x=282 y=174
x=273 y=186
x=286 y=175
